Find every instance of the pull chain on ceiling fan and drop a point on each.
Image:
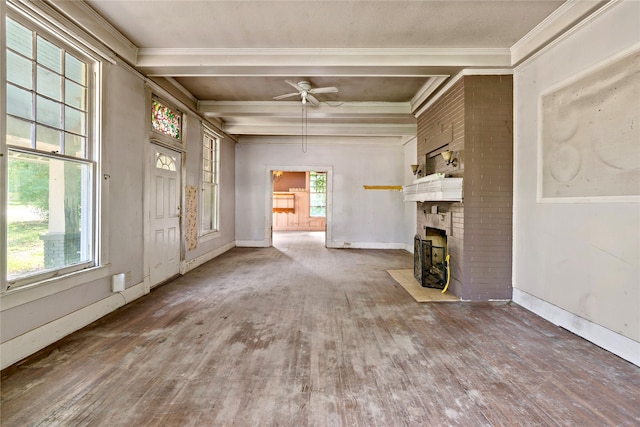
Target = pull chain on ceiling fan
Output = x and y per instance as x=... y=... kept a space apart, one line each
x=306 y=93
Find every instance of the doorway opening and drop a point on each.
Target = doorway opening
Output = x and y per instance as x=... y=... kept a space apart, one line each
x=299 y=206
x=164 y=213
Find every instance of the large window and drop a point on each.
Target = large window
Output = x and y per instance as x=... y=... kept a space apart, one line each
x=210 y=188
x=318 y=194
x=51 y=178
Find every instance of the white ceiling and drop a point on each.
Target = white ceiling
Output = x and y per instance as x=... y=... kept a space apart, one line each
x=386 y=57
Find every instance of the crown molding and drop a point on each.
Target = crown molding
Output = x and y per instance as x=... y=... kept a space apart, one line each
x=461 y=74
x=561 y=20
x=90 y=21
x=425 y=91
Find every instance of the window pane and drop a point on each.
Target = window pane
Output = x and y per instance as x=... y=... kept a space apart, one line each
x=47 y=139
x=43 y=235
x=18 y=132
x=19 y=38
x=75 y=95
x=19 y=102
x=318 y=211
x=207 y=207
x=165 y=120
x=74 y=121
x=75 y=69
x=19 y=70
x=165 y=162
x=318 y=199
x=318 y=196
x=48 y=112
x=49 y=55
x=74 y=145
x=49 y=84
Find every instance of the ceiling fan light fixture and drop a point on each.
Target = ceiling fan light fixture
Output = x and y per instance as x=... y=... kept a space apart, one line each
x=306 y=92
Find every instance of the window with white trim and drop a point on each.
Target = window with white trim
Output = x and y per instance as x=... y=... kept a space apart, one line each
x=51 y=188
x=318 y=194
x=210 y=191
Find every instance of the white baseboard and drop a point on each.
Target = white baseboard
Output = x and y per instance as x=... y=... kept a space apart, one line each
x=251 y=244
x=365 y=245
x=18 y=348
x=186 y=266
x=617 y=344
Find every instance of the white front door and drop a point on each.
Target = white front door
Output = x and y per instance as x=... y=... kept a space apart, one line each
x=165 y=215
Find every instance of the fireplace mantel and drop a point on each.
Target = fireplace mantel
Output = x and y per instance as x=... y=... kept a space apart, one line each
x=434 y=188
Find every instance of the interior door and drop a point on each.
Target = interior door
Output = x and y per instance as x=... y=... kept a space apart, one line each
x=165 y=214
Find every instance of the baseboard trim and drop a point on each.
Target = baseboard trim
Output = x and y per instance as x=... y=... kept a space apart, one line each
x=186 y=266
x=251 y=244
x=24 y=345
x=617 y=344
x=365 y=245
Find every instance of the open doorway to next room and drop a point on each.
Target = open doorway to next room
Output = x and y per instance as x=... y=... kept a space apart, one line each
x=299 y=208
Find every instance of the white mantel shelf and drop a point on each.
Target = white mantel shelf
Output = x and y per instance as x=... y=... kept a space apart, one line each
x=434 y=188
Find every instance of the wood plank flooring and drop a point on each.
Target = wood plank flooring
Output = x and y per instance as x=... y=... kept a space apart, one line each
x=300 y=335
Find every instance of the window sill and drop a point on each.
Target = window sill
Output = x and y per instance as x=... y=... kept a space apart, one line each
x=209 y=236
x=34 y=291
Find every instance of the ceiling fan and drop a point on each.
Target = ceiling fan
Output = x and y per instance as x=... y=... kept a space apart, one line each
x=306 y=92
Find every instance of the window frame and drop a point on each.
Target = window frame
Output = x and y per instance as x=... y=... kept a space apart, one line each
x=214 y=231
x=312 y=192
x=60 y=278
x=161 y=137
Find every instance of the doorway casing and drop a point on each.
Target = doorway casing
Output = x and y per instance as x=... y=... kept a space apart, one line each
x=268 y=223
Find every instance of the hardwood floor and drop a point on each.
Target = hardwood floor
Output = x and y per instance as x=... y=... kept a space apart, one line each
x=300 y=335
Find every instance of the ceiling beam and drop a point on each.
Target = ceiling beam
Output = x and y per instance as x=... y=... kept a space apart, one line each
x=315 y=62
x=321 y=129
x=294 y=109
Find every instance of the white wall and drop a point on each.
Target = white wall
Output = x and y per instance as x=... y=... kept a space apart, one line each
x=576 y=264
x=225 y=239
x=410 y=209
x=358 y=218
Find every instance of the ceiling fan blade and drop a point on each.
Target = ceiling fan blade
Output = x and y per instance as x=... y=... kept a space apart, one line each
x=295 y=85
x=330 y=89
x=287 y=95
x=312 y=100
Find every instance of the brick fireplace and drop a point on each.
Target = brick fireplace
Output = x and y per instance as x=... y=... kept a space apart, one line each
x=474 y=119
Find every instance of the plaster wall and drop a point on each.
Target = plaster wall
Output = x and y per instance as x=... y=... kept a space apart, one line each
x=358 y=217
x=579 y=256
x=193 y=164
x=410 y=212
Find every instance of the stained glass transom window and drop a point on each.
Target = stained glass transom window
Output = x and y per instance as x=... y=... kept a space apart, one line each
x=165 y=162
x=165 y=120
